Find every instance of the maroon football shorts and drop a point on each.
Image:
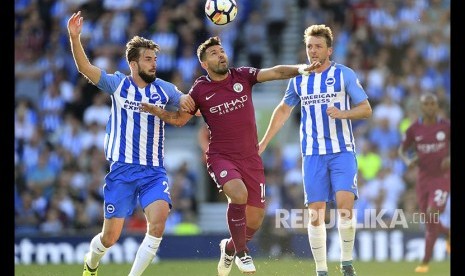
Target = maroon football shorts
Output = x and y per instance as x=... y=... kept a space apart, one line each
x=433 y=193
x=249 y=170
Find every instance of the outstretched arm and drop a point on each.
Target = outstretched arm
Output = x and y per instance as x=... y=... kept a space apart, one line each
x=176 y=118
x=280 y=115
x=280 y=72
x=83 y=64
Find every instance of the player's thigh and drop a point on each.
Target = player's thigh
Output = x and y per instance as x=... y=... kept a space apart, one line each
x=222 y=170
x=438 y=195
x=253 y=174
x=343 y=172
x=316 y=179
x=120 y=190
x=153 y=186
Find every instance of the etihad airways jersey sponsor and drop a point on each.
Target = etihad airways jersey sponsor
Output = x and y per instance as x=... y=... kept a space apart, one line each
x=228 y=110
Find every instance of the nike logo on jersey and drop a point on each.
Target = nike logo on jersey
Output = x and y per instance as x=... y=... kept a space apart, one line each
x=208 y=97
x=234 y=220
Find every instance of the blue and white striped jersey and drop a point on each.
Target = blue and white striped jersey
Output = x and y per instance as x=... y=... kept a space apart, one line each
x=338 y=85
x=131 y=136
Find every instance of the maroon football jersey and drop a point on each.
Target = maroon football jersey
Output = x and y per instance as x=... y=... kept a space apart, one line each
x=228 y=110
x=431 y=143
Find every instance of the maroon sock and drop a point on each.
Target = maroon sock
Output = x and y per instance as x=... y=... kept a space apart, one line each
x=237 y=226
x=431 y=235
x=249 y=232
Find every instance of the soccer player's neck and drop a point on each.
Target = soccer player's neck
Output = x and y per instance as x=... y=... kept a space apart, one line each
x=217 y=77
x=323 y=66
x=139 y=82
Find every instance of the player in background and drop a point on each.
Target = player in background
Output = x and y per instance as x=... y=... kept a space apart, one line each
x=224 y=98
x=330 y=98
x=133 y=145
x=427 y=144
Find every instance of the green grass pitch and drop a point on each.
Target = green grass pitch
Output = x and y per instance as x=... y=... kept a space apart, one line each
x=284 y=267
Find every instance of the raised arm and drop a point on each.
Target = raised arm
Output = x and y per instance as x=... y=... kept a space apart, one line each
x=280 y=115
x=176 y=118
x=83 y=64
x=280 y=72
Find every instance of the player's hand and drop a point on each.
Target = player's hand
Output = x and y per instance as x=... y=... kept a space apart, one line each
x=334 y=113
x=75 y=24
x=307 y=69
x=261 y=148
x=412 y=162
x=445 y=164
x=186 y=103
x=149 y=108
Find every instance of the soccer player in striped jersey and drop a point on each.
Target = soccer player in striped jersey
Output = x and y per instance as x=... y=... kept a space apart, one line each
x=224 y=98
x=134 y=146
x=330 y=97
x=428 y=141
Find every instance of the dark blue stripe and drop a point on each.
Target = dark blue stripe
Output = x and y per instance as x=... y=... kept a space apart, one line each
x=163 y=97
x=324 y=76
x=315 y=145
x=122 y=139
x=349 y=123
x=160 y=142
x=115 y=119
x=150 y=133
x=337 y=83
x=326 y=133
x=136 y=138
x=339 y=132
x=124 y=88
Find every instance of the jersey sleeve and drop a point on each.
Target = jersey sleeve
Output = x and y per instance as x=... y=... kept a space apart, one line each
x=250 y=73
x=291 y=98
x=110 y=82
x=174 y=95
x=353 y=86
x=193 y=94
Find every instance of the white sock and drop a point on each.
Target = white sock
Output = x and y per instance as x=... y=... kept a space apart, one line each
x=97 y=250
x=145 y=254
x=317 y=239
x=347 y=237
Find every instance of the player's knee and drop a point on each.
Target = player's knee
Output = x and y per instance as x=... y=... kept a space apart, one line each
x=109 y=239
x=156 y=229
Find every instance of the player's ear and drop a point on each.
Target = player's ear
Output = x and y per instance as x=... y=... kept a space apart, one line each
x=204 y=65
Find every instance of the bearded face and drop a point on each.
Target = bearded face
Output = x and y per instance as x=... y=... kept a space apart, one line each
x=145 y=76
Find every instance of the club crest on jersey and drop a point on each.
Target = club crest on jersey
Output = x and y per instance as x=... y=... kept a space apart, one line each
x=155 y=97
x=440 y=136
x=223 y=173
x=330 y=81
x=238 y=87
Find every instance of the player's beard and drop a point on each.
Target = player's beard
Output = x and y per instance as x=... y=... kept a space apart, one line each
x=146 y=77
x=221 y=70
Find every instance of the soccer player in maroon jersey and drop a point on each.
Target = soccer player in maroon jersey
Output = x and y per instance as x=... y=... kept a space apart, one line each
x=429 y=138
x=224 y=98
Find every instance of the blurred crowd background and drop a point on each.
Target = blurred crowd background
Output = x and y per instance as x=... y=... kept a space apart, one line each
x=398 y=48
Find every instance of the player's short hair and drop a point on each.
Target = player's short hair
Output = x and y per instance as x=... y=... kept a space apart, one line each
x=136 y=44
x=212 y=41
x=321 y=31
x=428 y=95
